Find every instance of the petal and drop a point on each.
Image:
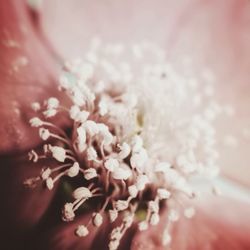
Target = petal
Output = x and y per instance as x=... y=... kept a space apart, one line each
x=21 y=208
x=219 y=223
x=28 y=74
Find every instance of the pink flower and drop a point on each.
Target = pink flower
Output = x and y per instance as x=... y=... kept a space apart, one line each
x=29 y=74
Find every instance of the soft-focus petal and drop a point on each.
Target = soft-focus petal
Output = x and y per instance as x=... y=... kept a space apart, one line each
x=219 y=223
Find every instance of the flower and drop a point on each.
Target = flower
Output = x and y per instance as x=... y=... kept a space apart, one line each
x=125 y=174
x=185 y=162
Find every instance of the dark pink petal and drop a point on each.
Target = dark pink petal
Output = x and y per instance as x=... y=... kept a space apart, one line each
x=21 y=208
x=28 y=73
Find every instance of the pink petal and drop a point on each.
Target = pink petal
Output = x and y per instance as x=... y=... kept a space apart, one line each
x=28 y=74
x=219 y=223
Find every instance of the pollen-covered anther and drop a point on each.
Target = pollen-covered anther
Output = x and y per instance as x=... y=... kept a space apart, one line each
x=111 y=164
x=154 y=219
x=113 y=214
x=82 y=193
x=122 y=173
x=97 y=219
x=44 y=134
x=49 y=183
x=82 y=231
x=73 y=170
x=141 y=182
x=166 y=238
x=153 y=206
x=46 y=173
x=53 y=103
x=121 y=205
x=58 y=153
x=173 y=215
x=133 y=191
x=124 y=150
x=143 y=225
x=163 y=194
x=33 y=156
x=90 y=173
x=36 y=122
x=50 y=113
x=68 y=212
x=138 y=159
x=36 y=106
x=91 y=154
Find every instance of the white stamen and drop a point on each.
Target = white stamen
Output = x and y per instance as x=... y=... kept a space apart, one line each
x=111 y=164
x=141 y=182
x=36 y=122
x=82 y=193
x=121 y=173
x=52 y=103
x=74 y=170
x=58 y=153
x=46 y=173
x=36 y=106
x=133 y=191
x=143 y=225
x=154 y=219
x=81 y=138
x=121 y=205
x=91 y=154
x=90 y=173
x=44 y=134
x=113 y=214
x=82 y=231
x=163 y=193
x=68 y=212
x=125 y=151
x=49 y=183
x=97 y=220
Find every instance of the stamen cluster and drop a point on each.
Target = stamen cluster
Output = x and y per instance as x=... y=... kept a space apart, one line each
x=133 y=139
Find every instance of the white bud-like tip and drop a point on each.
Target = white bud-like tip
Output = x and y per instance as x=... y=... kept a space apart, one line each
x=46 y=173
x=49 y=183
x=82 y=231
x=44 y=134
x=113 y=214
x=74 y=170
x=90 y=173
x=142 y=226
x=97 y=220
x=58 y=153
x=121 y=205
x=154 y=219
x=82 y=193
x=36 y=122
x=163 y=194
x=111 y=164
x=133 y=191
x=68 y=212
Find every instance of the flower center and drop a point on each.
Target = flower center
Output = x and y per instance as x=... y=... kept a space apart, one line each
x=138 y=134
